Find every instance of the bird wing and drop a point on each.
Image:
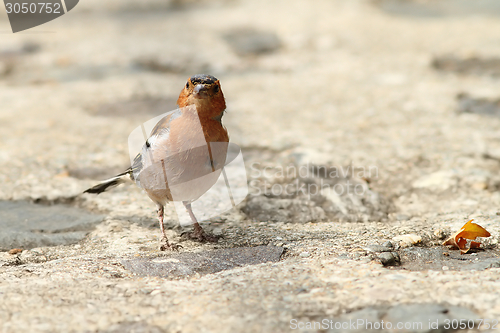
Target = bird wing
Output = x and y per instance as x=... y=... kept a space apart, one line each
x=162 y=131
x=164 y=123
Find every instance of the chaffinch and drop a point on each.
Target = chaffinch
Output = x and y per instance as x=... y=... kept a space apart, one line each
x=184 y=155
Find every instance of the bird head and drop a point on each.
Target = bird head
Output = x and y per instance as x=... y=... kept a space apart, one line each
x=205 y=93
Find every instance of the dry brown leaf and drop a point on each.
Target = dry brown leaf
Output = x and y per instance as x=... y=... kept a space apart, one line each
x=469 y=231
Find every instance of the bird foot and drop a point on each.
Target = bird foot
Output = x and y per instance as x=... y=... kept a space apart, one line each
x=165 y=245
x=201 y=237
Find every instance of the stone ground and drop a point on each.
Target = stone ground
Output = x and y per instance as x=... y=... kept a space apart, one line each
x=406 y=89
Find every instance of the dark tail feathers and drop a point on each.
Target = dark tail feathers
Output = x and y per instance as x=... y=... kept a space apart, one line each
x=109 y=184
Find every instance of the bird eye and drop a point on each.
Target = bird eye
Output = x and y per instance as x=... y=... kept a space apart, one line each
x=187 y=85
x=216 y=89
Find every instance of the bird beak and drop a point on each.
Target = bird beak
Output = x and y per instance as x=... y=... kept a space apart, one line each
x=200 y=91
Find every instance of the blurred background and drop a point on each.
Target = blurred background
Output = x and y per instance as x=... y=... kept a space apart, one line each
x=408 y=86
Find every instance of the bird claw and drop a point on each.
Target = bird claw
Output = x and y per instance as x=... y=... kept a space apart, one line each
x=165 y=245
x=201 y=237
x=170 y=247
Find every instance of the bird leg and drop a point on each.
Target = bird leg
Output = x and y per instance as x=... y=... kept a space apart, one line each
x=164 y=244
x=198 y=233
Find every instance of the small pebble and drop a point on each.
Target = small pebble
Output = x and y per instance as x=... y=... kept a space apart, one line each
x=389 y=258
x=446 y=268
x=377 y=248
x=15 y=251
x=388 y=244
x=402 y=217
x=304 y=254
x=407 y=240
x=440 y=234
